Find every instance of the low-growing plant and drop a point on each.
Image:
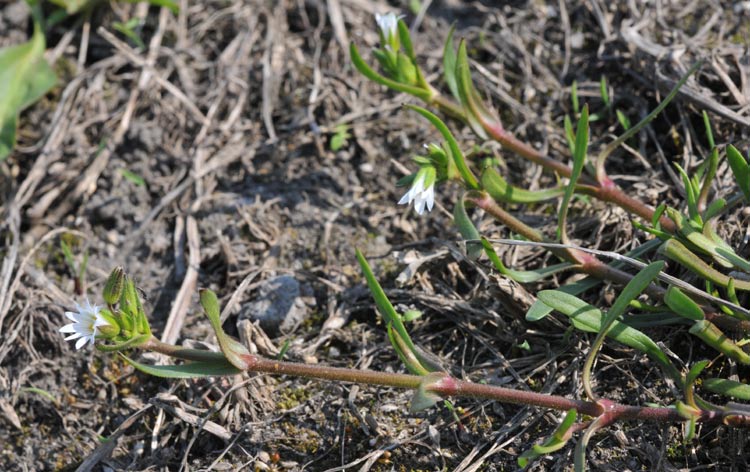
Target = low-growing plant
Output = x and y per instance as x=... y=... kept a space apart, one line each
x=711 y=312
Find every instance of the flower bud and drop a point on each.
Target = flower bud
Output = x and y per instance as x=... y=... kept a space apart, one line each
x=113 y=287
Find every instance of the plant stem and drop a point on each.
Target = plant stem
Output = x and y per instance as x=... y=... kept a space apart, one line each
x=588 y=263
x=606 y=190
x=449 y=386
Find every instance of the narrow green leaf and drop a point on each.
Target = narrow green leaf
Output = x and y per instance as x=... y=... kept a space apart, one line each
x=499 y=189
x=588 y=318
x=449 y=64
x=381 y=300
x=192 y=370
x=714 y=209
x=467 y=229
x=710 y=334
x=709 y=133
x=477 y=114
x=570 y=135
x=740 y=170
x=522 y=276
x=365 y=70
x=407 y=356
x=41 y=392
x=604 y=92
x=728 y=388
x=579 y=160
x=574 y=97
x=683 y=305
x=632 y=131
x=630 y=292
x=233 y=350
x=555 y=442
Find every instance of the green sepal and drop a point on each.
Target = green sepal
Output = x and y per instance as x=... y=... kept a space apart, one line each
x=133 y=342
x=455 y=151
x=192 y=370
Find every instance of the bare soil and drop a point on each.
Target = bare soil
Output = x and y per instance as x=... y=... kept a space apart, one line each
x=205 y=160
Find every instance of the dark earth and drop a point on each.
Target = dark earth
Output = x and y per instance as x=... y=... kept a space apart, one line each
x=207 y=159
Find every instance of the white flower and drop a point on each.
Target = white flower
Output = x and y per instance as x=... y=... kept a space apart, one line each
x=420 y=194
x=387 y=23
x=86 y=322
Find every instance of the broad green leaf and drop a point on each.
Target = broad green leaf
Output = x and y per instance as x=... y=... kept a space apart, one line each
x=458 y=156
x=579 y=160
x=740 y=170
x=25 y=77
x=586 y=317
x=555 y=442
x=682 y=304
x=192 y=370
x=522 y=276
x=499 y=189
x=467 y=229
x=729 y=388
x=540 y=309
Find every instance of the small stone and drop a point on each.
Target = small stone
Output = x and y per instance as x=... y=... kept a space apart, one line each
x=282 y=304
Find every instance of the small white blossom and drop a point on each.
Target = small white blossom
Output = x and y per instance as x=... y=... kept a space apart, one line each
x=419 y=194
x=85 y=324
x=388 y=24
